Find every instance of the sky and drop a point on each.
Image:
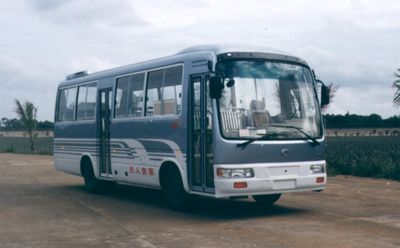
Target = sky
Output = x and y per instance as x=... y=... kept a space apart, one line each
x=351 y=43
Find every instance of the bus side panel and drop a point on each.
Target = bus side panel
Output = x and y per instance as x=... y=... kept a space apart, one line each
x=72 y=140
x=139 y=147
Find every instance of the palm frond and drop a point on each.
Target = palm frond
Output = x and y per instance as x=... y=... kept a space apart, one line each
x=27 y=114
x=396 y=86
x=20 y=110
x=333 y=90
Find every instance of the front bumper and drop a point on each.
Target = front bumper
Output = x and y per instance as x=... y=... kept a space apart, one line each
x=271 y=178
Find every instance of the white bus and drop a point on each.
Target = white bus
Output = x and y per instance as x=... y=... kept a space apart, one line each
x=218 y=121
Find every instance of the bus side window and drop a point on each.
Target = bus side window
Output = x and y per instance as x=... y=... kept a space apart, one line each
x=164 y=91
x=66 y=104
x=121 y=97
x=153 y=93
x=172 y=90
x=136 y=98
x=86 y=102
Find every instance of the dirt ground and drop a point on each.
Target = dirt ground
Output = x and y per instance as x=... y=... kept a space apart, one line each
x=40 y=207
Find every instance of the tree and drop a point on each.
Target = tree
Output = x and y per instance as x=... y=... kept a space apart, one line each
x=11 y=124
x=3 y=122
x=27 y=115
x=396 y=86
x=45 y=125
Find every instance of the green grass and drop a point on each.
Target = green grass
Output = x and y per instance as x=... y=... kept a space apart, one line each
x=21 y=145
x=364 y=156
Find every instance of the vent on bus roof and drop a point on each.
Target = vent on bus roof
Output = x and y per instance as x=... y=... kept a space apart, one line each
x=77 y=74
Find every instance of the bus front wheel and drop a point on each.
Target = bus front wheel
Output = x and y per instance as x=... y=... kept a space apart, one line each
x=267 y=200
x=174 y=192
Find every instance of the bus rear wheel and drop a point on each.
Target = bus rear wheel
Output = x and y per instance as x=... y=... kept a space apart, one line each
x=174 y=192
x=267 y=200
x=92 y=184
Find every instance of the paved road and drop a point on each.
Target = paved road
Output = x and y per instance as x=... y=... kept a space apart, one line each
x=40 y=207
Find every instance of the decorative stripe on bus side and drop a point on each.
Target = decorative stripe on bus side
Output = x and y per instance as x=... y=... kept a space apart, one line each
x=147 y=149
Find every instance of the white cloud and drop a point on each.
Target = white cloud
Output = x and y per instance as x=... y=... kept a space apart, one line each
x=95 y=64
x=363 y=100
x=87 y=13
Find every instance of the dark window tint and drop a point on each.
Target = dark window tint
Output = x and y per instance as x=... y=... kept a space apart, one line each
x=173 y=76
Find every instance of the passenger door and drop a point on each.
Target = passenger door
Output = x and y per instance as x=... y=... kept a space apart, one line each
x=104 y=120
x=200 y=139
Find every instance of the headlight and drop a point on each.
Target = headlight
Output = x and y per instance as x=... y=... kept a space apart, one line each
x=224 y=173
x=235 y=173
x=317 y=169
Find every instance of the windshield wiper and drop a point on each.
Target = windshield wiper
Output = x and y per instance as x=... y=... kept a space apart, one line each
x=314 y=141
x=244 y=144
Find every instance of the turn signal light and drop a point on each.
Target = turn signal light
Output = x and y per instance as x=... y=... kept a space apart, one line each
x=320 y=179
x=239 y=185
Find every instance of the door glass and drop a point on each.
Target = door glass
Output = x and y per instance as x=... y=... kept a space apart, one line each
x=102 y=131
x=202 y=154
x=208 y=139
x=197 y=172
x=105 y=115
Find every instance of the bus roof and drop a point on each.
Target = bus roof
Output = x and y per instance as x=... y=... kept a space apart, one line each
x=194 y=52
x=225 y=48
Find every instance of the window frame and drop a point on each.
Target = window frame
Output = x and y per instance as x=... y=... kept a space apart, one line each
x=76 y=101
x=95 y=104
x=182 y=84
x=58 y=104
x=301 y=139
x=115 y=94
x=114 y=99
x=146 y=76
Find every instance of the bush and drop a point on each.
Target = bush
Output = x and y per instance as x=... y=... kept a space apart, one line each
x=21 y=145
x=364 y=156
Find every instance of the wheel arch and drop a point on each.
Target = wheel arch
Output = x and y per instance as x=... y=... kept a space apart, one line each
x=87 y=160
x=168 y=164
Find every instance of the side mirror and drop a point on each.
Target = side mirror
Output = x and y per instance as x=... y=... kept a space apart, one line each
x=230 y=83
x=325 y=95
x=215 y=87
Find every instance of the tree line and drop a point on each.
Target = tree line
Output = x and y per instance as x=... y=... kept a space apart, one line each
x=360 y=121
x=15 y=124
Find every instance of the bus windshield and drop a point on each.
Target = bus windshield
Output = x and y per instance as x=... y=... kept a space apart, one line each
x=267 y=100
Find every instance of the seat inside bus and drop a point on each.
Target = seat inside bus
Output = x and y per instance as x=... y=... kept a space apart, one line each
x=165 y=107
x=260 y=116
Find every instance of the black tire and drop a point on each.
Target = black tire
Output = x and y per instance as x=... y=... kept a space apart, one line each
x=174 y=192
x=267 y=200
x=92 y=184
